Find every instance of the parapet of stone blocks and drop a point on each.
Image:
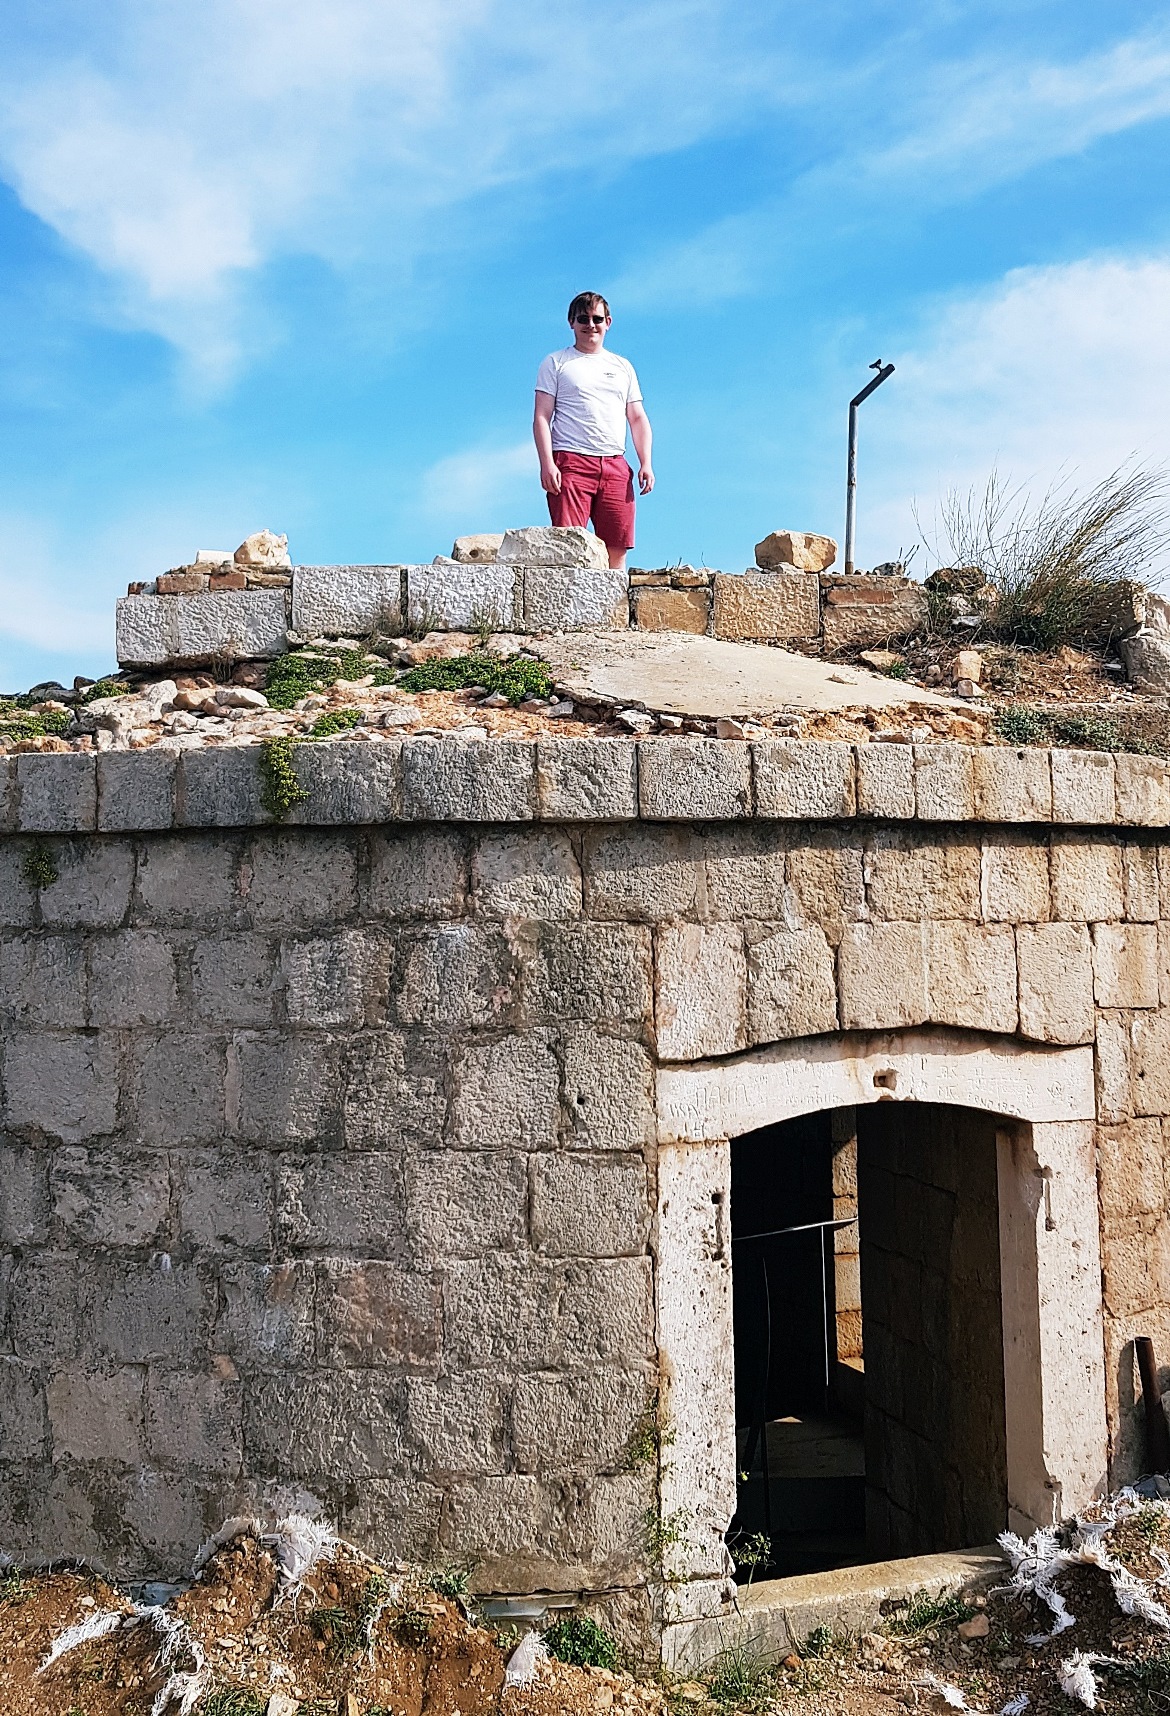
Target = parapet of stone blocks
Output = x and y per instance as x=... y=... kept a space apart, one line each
x=236 y=625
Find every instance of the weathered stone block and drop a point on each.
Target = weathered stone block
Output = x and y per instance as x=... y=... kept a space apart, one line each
x=1132 y=1174
x=469 y=780
x=885 y=781
x=220 y=788
x=17 y=895
x=827 y=879
x=509 y=1524
x=194 y=1422
x=57 y=793
x=43 y=981
x=564 y=599
x=177 y=1086
x=687 y=780
x=745 y=871
x=1083 y=787
x=24 y=1196
x=338 y=979
x=1012 y=785
x=506 y=1094
x=1088 y=878
x=1141 y=882
x=859 y=612
x=589 y=1206
x=798 y=779
x=464 y=595
x=1143 y=790
x=97 y=1415
x=457 y=1423
x=531 y=1314
x=417 y=873
x=343 y=1202
x=144 y=630
x=322 y=1423
x=643 y=873
x=104 y=1197
x=791 y=989
x=43 y=1322
x=348 y=783
x=776 y=606
x=172 y=891
x=803 y=550
x=136 y=790
x=377 y=1313
x=589 y=971
x=609 y=1092
x=455 y=975
x=1056 y=982
x=22 y=1411
x=671 y=610
x=239 y=625
x=131 y=979
x=554 y=545
x=142 y=1312
x=266 y=1315
x=224 y=1199
x=586 y=780
x=534 y=874
x=346 y=601
x=971 y=975
x=463 y=1202
x=700 y=982
x=233 y=978
x=943 y=778
x=881 y=973
x=559 y=1422
x=394 y=1090
x=1125 y=965
x=62 y=1085
x=396 y=1518
x=286 y=1089
x=1015 y=879
x=302 y=879
x=93 y=889
x=7 y=794
x=482 y=546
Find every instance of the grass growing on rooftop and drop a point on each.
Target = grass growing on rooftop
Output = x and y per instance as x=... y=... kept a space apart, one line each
x=1024 y=724
x=515 y=676
x=293 y=676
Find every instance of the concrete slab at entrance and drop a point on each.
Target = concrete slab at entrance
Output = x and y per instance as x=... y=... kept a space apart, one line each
x=778 y=1614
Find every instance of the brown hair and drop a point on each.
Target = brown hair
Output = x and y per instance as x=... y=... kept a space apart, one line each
x=586 y=301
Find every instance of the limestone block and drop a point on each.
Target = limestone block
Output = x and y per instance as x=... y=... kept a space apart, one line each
x=1088 y=878
x=456 y=1423
x=220 y=788
x=317 y=1424
x=801 y=779
x=1125 y=965
x=394 y=1090
x=971 y=975
x=801 y=549
x=223 y=1199
x=7 y=794
x=170 y=890
x=145 y=630
x=348 y=1202
x=301 y=880
x=378 y=1313
x=590 y=972
x=57 y=793
x=745 y=871
x=559 y=1422
x=454 y=975
x=24 y=1196
x=885 y=781
x=562 y=598
x=141 y=1312
x=17 y=895
x=586 y=780
x=1113 y=1073
x=136 y=790
x=700 y=979
x=1012 y=785
x=531 y=874
x=776 y=606
x=1151 y=1064
x=1143 y=790
x=177 y=1086
x=943 y=776
x=338 y=979
x=239 y=625
x=1147 y=661
x=43 y=1322
x=417 y=873
x=485 y=546
x=686 y=780
x=1083 y=787
x=346 y=601
x=532 y=1314
x=860 y=612
x=1141 y=882
x=194 y=1422
x=348 y=783
x=459 y=1203
x=462 y=596
x=462 y=780
x=233 y=979
x=43 y=981
x=827 y=879
x=609 y=1091
x=509 y=1526
x=1056 y=982
x=103 y=1197
x=397 y=1518
x=97 y=1415
x=553 y=545
x=131 y=980
x=263 y=548
x=881 y=973
x=266 y=1314
x=93 y=886
x=658 y=610
x=289 y=1088
x=1015 y=879
x=643 y=873
x=792 y=990
x=64 y=1085
x=589 y=1206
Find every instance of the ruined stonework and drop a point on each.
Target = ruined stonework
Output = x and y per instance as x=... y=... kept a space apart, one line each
x=377 y=1163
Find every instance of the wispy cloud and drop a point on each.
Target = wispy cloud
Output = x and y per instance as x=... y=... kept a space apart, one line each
x=483 y=488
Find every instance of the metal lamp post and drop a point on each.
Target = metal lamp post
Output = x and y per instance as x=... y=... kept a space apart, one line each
x=884 y=371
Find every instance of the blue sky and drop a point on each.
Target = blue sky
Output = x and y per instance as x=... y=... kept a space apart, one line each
x=294 y=264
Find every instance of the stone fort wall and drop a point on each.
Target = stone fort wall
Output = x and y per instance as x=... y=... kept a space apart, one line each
x=330 y=1160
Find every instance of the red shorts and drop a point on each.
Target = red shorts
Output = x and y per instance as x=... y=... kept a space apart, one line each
x=597 y=489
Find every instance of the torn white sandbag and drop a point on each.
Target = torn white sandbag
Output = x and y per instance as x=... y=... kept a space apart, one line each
x=525 y=1660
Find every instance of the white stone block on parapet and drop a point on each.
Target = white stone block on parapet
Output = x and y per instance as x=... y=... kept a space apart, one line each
x=461 y=594
x=346 y=601
x=153 y=631
x=553 y=545
x=575 y=598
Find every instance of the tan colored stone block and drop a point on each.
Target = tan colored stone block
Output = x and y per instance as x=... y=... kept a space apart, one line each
x=1125 y=965
x=1112 y=1069
x=1126 y=1274
x=1012 y=785
x=885 y=781
x=746 y=871
x=672 y=610
x=1056 y=982
x=700 y=978
x=775 y=606
x=1083 y=788
x=908 y=879
x=1131 y=1175
x=881 y=975
x=1164 y=963
x=1141 y=882
x=971 y=975
x=1015 y=879
x=1088 y=879
x=827 y=880
x=805 y=779
x=1151 y=1064
x=864 y=613
x=791 y=987
x=800 y=548
x=944 y=784
x=1143 y=790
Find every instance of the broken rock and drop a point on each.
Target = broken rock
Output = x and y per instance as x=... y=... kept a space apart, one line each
x=1147 y=661
x=552 y=545
x=263 y=548
x=802 y=549
x=482 y=547
x=968 y=664
x=635 y=720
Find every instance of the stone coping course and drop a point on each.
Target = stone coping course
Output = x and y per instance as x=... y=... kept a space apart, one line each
x=680 y=779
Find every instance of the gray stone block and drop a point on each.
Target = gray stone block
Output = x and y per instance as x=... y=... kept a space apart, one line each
x=43 y=1321
x=1143 y=790
x=136 y=790
x=586 y=780
x=528 y=873
x=346 y=601
x=590 y=972
x=220 y=788
x=97 y=1415
x=1012 y=785
x=322 y=1424
x=170 y=890
x=287 y=1089
x=241 y=625
x=455 y=975
x=24 y=1196
x=233 y=978
x=805 y=778
x=700 y=985
x=456 y=1424
x=459 y=1203
x=348 y=782
x=578 y=598
x=791 y=986
x=64 y=1085
x=42 y=981
x=506 y=1094
x=885 y=781
x=609 y=1092
x=343 y=1202
x=337 y=979
x=644 y=873
x=144 y=630
x=57 y=792
x=110 y=1198
x=394 y=1092
x=7 y=794
x=376 y=1313
x=944 y=783
x=469 y=780
x=397 y=1519
x=553 y=545
x=560 y=1422
x=684 y=780
x=418 y=873
x=266 y=1314
x=462 y=595
x=92 y=890
x=194 y=1422
x=302 y=879
x=142 y=1311
x=177 y=1088
x=223 y=1199
x=17 y=895
x=131 y=979
x=589 y=1206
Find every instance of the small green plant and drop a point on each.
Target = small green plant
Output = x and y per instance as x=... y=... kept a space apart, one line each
x=752 y=1553
x=1150 y=1521
x=664 y=1532
x=484 y=622
x=347 y=1631
x=822 y=1642
x=281 y=789
x=334 y=721
x=234 y=1701
x=296 y=675
x=40 y=867
x=648 y=1437
x=14 y=1587
x=421 y=619
x=18 y=722
x=583 y=1642
x=1024 y=724
x=923 y=1613
x=448 y=1580
x=743 y=1676
x=103 y=688
x=516 y=677
x=896 y=670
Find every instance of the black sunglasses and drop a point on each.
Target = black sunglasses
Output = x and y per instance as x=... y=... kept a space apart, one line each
x=598 y=321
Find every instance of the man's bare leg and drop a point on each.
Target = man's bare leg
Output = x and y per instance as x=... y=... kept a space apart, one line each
x=617 y=558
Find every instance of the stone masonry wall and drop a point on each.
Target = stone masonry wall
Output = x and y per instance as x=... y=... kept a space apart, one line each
x=329 y=1164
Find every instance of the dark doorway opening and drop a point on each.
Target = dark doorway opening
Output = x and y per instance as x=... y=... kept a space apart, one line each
x=868 y=1337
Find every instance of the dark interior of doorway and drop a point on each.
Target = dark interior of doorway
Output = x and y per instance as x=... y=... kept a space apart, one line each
x=898 y=1447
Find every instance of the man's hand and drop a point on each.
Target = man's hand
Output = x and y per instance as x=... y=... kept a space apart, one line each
x=550 y=479
x=645 y=479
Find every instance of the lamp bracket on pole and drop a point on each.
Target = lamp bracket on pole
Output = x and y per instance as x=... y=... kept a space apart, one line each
x=884 y=371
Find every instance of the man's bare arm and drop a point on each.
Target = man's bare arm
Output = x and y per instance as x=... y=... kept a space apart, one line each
x=550 y=477
x=643 y=439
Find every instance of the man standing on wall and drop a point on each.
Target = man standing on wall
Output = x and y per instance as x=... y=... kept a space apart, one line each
x=585 y=396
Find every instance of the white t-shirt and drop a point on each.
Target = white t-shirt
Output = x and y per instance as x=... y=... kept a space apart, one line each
x=592 y=390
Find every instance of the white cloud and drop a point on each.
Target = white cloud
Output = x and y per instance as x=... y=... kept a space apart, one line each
x=37 y=606
x=484 y=487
